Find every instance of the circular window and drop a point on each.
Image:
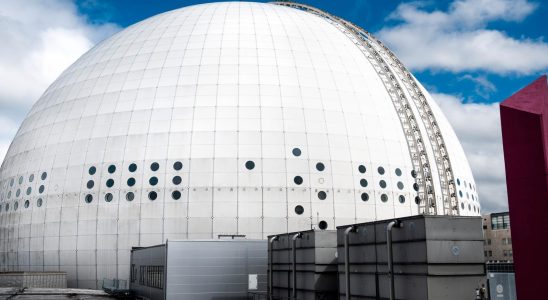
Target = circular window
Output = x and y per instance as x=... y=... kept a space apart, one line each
x=29 y=190
x=31 y=178
x=110 y=182
x=39 y=202
x=298 y=180
x=400 y=185
x=41 y=189
x=92 y=170
x=470 y=185
x=130 y=196
x=7 y=206
x=154 y=166
x=18 y=193
x=365 y=196
x=401 y=198
x=415 y=186
x=177 y=180
x=382 y=183
x=176 y=195
x=11 y=182
x=384 y=198
x=460 y=194
x=9 y=194
x=177 y=165
x=21 y=180
x=88 y=198
x=462 y=206
x=299 y=210
x=296 y=151
x=108 y=197
x=16 y=205
x=363 y=182
x=153 y=180
x=417 y=200
x=90 y=184
x=44 y=176
x=250 y=165
x=380 y=170
x=320 y=167
x=322 y=195
x=152 y=196
x=362 y=169
x=398 y=172
x=132 y=167
x=111 y=169
x=458 y=181
x=414 y=174
x=322 y=225
x=27 y=204
x=131 y=181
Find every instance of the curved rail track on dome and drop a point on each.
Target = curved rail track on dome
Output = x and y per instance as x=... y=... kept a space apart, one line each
x=367 y=43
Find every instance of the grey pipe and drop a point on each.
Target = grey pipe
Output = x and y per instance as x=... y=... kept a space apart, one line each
x=294 y=263
x=397 y=224
x=270 y=259
x=347 y=260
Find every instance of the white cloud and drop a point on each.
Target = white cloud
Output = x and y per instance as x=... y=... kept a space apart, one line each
x=478 y=127
x=458 y=40
x=40 y=39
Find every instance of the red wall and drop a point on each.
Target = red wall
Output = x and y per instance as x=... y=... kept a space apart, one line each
x=524 y=118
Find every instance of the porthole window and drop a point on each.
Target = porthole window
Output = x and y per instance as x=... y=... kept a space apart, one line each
x=9 y=194
x=250 y=165
x=92 y=170
x=89 y=198
x=417 y=200
x=414 y=174
x=152 y=196
x=398 y=172
x=90 y=184
x=296 y=151
x=39 y=202
x=111 y=169
x=177 y=180
x=41 y=189
x=416 y=186
x=110 y=182
x=299 y=210
x=460 y=194
x=154 y=166
x=21 y=180
x=365 y=196
x=108 y=197
x=7 y=206
x=18 y=193
x=132 y=167
x=401 y=198
x=29 y=190
x=130 y=181
x=382 y=184
x=298 y=180
x=400 y=185
x=363 y=182
x=31 y=178
x=384 y=198
x=458 y=181
x=27 y=203
x=176 y=195
x=11 y=182
x=320 y=167
x=153 y=180
x=462 y=206
x=380 y=170
x=322 y=195
x=130 y=196
x=16 y=205
x=177 y=165
x=44 y=176
x=362 y=169
x=322 y=225
x=470 y=185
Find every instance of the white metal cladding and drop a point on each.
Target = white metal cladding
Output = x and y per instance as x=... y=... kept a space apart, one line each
x=211 y=86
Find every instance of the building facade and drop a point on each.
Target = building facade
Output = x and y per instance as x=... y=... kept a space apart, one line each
x=498 y=238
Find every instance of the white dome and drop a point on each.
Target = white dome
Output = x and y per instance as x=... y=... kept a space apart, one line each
x=279 y=119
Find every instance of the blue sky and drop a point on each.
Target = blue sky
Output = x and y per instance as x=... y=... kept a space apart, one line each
x=470 y=55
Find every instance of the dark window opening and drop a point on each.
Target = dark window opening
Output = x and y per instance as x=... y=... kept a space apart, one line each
x=132 y=167
x=152 y=196
x=92 y=170
x=177 y=165
x=177 y=180
x=298 y=180
x=131 y=181
x=153 y=180
x=322 y=195
x=176 y=195
x=322 y=225
x=402 y=199
x=130 y=196
x=111 y=169
x=382 y=184
x=365 y=196
x=108 y=197
x=380 y=170
x=110 y=182
x=154 y=166
x=363 y=182
x=299 y=210
x=320 y=166
x=250 y=165
x=398 y=172
x=362 y=169
x=90 y=184
x=89 y=198
x=296 y=151
x=384 y=198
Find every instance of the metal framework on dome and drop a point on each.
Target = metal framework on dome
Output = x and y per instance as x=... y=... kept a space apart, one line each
x=390 y=69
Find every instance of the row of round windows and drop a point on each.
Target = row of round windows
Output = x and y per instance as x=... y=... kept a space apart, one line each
x=26 y=204
x=177 y=166
x=41 y=189
x=176 y=180
x=43 y=176
x=130 y=196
